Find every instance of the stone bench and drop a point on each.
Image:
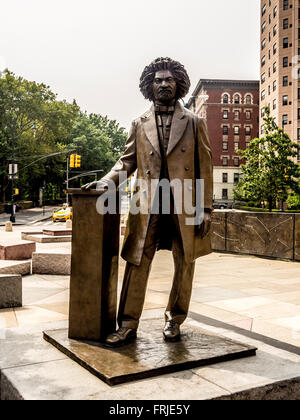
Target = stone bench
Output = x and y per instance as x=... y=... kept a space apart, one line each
x=10 y=291
x=15 y=267
x=57 y=232
x=53 y=261
x=16 y=250
x=45 y=239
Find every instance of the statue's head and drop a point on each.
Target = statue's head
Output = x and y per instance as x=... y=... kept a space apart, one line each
x=164 y=80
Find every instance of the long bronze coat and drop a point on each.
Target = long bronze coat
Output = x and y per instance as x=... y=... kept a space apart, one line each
x=143 y=153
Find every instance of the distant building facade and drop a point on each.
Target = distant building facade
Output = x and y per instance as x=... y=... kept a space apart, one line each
x=231 y=109
x=280 y=64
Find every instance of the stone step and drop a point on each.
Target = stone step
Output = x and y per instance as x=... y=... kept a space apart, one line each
x=16 y=250
x=10 y=291
x=45 y=239
x=57 y=232
x=15 y=267
x=52 y=261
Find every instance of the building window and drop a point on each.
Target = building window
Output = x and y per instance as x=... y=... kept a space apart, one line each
x=298 y=155
x=298 y=94
x=263 y=78
x=225 y=146
x=263 y=61
x=285 y=4
x=298 y=113
x=236 y=115
x=274 y=85
x=274 y=104
x=248 y=115
x=285 y=23
x=275 y=30
x=285 y=100
x=225 y=114
x=225 y=130
x=274 y=48
x=236 y=178
x=236 y=147
x=298 y=133
x=263 y=43
x=225 y=178
x=249 y=98
x=263 y=95
x=225 y=194
x=285 y=42
x=298 y=33
x=225 y=161
x=285 y=81
x=262 y=112
x=236 y=130
x=274 y=67
x=269 y=90
x=225 y=99
x=236 y=161
x=237 y=99
x=284 y=119
x=275 y=12
x=248 y=130
x=263 y=10
x=263 y=27
x=285 y=62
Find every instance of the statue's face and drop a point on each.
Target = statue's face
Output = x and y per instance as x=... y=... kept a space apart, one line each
x=164 y=86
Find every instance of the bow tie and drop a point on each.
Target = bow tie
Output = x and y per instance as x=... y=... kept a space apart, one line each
x=162 y=109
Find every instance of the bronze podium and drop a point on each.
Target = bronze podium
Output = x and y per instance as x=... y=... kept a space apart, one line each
x=94 y=268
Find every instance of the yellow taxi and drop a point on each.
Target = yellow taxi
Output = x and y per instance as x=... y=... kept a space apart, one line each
x=63 y=214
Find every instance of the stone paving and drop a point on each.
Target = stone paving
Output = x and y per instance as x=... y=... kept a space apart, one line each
x=244 y=294
x=255 y=294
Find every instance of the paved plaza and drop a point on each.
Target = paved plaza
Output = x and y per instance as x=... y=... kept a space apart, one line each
x=249 y=299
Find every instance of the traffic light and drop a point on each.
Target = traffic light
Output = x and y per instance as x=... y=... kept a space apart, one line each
x=77 y=161
x=16 y=191
x=72 y=161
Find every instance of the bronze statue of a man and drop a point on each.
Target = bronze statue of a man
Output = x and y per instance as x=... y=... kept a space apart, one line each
x=167 y=142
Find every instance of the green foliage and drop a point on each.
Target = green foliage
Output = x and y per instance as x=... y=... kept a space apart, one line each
x=99 y=140
x=269 y=172
x=41 y=125
x=293 y=201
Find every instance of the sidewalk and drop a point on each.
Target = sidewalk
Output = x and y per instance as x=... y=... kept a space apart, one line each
x=25 y=217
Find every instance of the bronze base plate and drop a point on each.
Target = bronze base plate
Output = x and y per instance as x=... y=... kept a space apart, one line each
x=150 y=355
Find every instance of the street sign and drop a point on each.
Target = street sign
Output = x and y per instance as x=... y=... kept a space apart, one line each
x=13 y=171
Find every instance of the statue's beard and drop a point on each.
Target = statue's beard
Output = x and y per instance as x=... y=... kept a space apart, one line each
x=165 y=96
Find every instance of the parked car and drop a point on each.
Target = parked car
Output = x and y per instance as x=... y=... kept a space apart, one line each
x=222 y=206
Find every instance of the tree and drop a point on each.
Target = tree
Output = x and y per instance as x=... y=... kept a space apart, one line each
x=100 y=141
x=269 y=172
x=35 y=123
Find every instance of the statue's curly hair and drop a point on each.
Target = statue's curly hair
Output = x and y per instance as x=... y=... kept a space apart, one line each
x=164 y=63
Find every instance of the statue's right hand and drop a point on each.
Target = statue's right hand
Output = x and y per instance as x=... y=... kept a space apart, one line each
x=98 y=185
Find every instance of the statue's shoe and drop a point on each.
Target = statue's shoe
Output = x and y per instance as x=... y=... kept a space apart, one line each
x=121 y=337
x=172 y=331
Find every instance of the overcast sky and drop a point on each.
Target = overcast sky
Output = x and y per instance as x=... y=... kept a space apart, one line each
x=95 y=50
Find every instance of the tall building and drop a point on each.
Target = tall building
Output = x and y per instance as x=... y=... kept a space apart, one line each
x=279 y=62
x=231 y=109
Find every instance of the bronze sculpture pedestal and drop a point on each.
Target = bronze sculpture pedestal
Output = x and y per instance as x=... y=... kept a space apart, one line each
x=94 y=269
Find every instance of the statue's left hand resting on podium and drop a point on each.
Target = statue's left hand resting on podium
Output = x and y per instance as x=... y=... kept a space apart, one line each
x=98 y=185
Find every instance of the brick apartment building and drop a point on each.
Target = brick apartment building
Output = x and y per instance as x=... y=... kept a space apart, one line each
x=231 y=109
x=280 y=64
